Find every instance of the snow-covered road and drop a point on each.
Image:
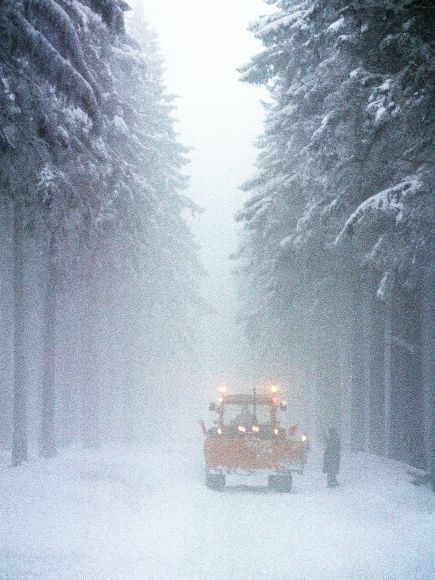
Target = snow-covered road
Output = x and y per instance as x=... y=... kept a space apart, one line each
x=146 y=514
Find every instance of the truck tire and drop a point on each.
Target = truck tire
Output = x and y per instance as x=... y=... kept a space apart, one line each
x=215 y=481
x=281 y=483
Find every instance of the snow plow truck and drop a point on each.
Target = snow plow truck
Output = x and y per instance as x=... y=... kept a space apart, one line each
x=248 y=439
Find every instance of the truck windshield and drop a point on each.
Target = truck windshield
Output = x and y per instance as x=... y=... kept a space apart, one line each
x=244 y=414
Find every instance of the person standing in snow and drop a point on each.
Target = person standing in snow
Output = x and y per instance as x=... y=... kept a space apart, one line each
x=331 y=457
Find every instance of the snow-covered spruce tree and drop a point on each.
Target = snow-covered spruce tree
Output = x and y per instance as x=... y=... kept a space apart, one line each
x=341 y=209
x=76 y=141
x=54 y=105
x=159 y=297
x=23 y=155
x=50 y=41
x=105 y=205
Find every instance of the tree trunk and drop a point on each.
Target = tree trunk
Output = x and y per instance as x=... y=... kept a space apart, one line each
x=19 y=437
x=47 y=440
x=309 y=360
x=90 y=392
x=414 y=376
x=6 y=321
x=68 y=360
x=406 y=435
x=428 y=371
x=127 y=414
x=367 y=314
x=327 y=349
x=346 y=373
x=376 y=375
x=357 y=360
x=388 y=341
x=310 y=398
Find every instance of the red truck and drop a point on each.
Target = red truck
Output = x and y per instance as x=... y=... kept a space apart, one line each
x=248 y=439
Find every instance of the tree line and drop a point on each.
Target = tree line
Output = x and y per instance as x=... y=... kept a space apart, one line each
x=336 y=270
x=99 y=267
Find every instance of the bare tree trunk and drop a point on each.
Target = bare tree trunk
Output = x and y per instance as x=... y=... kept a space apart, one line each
x=415 y=406
x=407 y=400
x=376 y=375
x=127 y=411
x=346 y=374
x=6 y=320
x=428 y=347
x=307 y=378
x=47 y=440
x=67 y=357
x=367 y=313
x=90 y=392
x=357 y=359
x=388 y=346
x=310 y=393
x=19 y=437
x=130 y=334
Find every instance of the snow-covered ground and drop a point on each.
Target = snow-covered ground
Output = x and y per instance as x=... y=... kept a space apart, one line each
x=146 y=514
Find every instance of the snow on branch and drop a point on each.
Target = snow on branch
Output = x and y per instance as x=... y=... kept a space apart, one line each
x=272 y=23
x=61 y=22
x=389 y=201
x=57 y=69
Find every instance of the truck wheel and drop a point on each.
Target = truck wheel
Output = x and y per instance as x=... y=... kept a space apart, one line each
x=215 y=481
x=281 y=483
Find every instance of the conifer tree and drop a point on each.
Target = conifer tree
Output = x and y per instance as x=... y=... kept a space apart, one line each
x=337 y=228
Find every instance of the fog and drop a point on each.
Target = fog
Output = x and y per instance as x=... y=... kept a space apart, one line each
x=203 y=43
x=123 y=154
x=101 y=292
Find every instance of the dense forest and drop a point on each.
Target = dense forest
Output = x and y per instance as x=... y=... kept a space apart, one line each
x=336 y=258
x=98 y=265
x=176 y=228
x=99 y=268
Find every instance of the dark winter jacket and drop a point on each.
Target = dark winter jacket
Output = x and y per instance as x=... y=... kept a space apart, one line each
x=331 y=457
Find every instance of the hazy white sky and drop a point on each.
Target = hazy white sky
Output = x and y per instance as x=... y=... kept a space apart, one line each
x=203 y=42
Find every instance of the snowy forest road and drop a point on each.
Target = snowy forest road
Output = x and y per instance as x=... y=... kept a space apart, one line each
x=146 y=514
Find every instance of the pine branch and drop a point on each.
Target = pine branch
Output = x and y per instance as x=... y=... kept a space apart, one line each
x=58 y=70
